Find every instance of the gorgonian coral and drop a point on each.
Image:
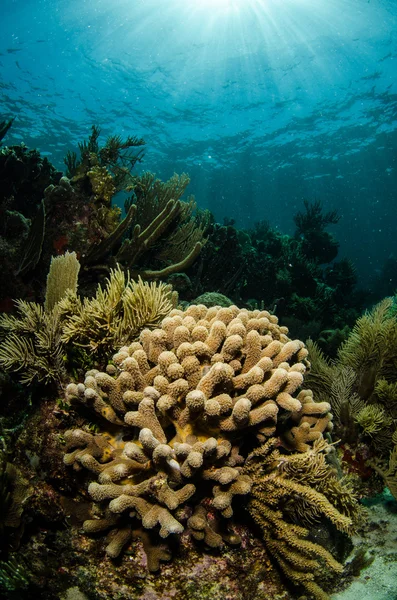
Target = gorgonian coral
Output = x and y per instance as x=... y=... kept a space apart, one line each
x=361 y=386
x=188 y=408
x=36 y=342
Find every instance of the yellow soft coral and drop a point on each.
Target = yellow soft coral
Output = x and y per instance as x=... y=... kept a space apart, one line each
x=102 y=184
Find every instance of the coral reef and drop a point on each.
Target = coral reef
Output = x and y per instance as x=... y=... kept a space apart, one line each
x=44 y=212
x=55 y=554
x=361 y=386
x=199 y=416
x=24 y=176
x=199 y=441
x=316 y=492
x=162 y=236
x=32 y=341
x=116 y=314
x=4 y=127
x=40 y=341
x=285 y=274
x=166 y=233
x=159 y=235
x=317 y=244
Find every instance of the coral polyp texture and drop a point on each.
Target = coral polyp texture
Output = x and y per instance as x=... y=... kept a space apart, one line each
x=206 y=413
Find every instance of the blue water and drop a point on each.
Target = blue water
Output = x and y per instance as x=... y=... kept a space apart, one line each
x=262 y=102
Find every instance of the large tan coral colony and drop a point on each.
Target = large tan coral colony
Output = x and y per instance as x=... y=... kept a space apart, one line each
x=190 y=408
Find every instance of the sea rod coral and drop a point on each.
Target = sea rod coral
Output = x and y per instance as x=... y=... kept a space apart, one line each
x=205 y=412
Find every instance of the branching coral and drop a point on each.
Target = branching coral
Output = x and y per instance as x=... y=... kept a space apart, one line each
x=371 y=349
x=361 y=384
x=299 y=488
x=188 y=408
x=166 y=233
x=160 y=234
x=317 y=244
x=4 y=127
x=31 y=341
x=114 y=157
x=80 y=213
x=314 y=218
x=336 y=383
x=372 y=419
x=37 y=341
x=116 y=314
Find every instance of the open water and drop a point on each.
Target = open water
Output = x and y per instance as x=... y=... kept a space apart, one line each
x=262 y=102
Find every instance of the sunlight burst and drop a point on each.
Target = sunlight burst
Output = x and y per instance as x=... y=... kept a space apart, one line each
x=219 y=4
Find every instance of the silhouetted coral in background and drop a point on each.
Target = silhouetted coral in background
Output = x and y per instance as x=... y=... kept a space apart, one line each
x=4 y=127
x=263 y=267
x=317 y=244
x=24 y=176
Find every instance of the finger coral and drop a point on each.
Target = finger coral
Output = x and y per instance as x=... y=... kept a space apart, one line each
x=185 y=408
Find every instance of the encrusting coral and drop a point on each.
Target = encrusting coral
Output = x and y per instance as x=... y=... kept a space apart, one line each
x=202 y=413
